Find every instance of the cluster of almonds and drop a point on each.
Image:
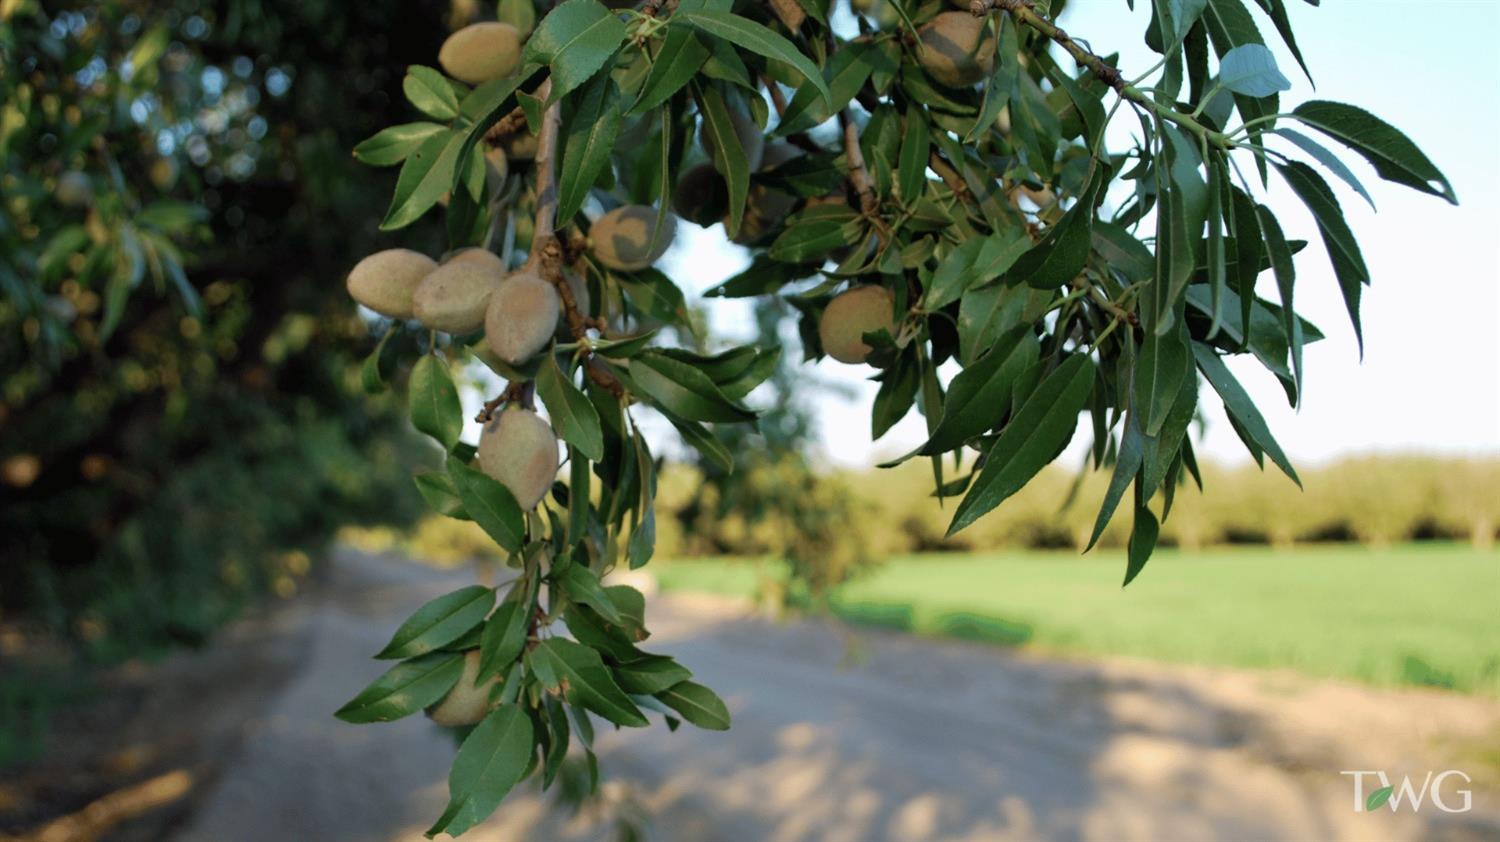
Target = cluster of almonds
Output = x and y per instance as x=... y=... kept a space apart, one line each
x=519 y=313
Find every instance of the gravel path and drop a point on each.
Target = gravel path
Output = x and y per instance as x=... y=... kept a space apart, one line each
x=842 y=735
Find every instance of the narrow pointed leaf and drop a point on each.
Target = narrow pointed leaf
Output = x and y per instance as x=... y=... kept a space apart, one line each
x=1031 y=440
x=404 y=689
x=1343 y=250
x=433 y=401
x=440 y=622
x=1240 y=407
x=391 y=146
x=749 y=35
x=698 y=705
x=1127 y=465
x=571 y=412
x=1392 y=153
x=575 y=40
x=1142 y=543
x=490 y=504
x=584 y=679
x=492 y=760
x=593 y=125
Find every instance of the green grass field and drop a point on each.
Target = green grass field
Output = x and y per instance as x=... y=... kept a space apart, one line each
x=1425 y=614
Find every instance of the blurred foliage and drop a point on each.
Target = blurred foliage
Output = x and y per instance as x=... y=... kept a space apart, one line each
x=180 y=412
x=775 y=502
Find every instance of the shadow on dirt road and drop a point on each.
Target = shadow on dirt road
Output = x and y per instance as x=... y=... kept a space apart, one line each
x=908 y=739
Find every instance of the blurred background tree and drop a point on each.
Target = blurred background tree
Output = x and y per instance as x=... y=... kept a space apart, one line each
x=179 y=392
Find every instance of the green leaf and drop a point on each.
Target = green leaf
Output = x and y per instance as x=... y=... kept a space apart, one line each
x=440 y=622
x=1142 y=543
x=678 y=61
x=814 y=232
x=1330 y=161
x=490 y=504
x=1276 y=10
x=430 y=92
x=572 y=415
x=582 y=585
x=378 y=366
x=591 y=630
x=1187 y=209
x=504 y=636
x=575 y=40
x=1062 y=253
x=986 y=313
x=1127 y=465
x=1240 y=407
x=1090 y=109
x=916 y=147
x=729 y=156
x=1250 y=69
x=979 y=395
x=1163 y=362
x=437 y=489
x=433 y=400
x=1248 y=248
x=1390 y=152
x=1229 y=25
x=1378 y=798
x=405 y=689
x=654 y=294
x=705 y=443
x=1215 y=251
x=683 y=390
x=642 y=540
x=425 y=177
x=976 y=262
x=749 y=35
x=631 y=604
x=492 y=760
x=1162 y=448
x=898 y=389
x=1285 y=270
x=846 y=73
x=651 y=674
x=1343 y=250
x=592 y=126
x=1002 y=81
x=698 y=705
x=583 y=678
x=1031 y=440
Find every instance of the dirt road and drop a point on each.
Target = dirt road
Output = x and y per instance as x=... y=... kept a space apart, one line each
x=856 y=736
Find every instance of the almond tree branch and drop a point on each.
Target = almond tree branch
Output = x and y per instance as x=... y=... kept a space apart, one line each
x=1024 y=11
x=546 y=258
x=859 y=174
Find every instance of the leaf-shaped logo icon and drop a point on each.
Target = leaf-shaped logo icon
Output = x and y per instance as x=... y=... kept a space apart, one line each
x=1377 y=798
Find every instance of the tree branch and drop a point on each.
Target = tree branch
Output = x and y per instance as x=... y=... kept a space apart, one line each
x=859 y=174
x=1024 y=11
x=546 y=258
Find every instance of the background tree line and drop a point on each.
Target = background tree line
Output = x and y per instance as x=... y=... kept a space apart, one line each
x=1372 y=500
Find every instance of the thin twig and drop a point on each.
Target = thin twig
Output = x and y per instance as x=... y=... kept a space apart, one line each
x=1024 y=11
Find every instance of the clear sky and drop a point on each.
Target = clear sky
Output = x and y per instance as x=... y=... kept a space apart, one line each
x=1430 y=377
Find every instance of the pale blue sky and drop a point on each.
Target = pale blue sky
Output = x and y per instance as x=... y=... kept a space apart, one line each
x=1430 y=378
